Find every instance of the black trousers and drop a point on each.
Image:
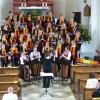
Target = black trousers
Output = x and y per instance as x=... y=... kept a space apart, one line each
x=46 y=81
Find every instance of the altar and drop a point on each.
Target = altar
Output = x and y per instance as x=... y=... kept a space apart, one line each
x=30 y=4
x=31 y=8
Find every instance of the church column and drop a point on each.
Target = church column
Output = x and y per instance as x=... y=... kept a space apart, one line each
x=95 y=23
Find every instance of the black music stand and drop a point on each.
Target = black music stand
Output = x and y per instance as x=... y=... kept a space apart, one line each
x=47 y=77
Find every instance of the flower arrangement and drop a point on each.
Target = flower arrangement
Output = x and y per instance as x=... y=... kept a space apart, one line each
x=34 y=14
x=84 y=34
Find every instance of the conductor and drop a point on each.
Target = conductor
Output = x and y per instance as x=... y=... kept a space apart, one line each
x=47 y=61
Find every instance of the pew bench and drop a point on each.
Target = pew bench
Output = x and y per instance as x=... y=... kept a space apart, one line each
x=4 y=85
x=87 y=94
x=9 y=70
x=84 y=74
x=81 y=83
x=8 y=77
x=83 y=67
x=95 y=98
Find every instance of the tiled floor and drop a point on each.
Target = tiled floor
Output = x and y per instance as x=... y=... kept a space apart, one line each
x=57 y=90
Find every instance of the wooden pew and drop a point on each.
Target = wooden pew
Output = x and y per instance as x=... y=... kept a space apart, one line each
x=88 y=93
x=4 y=85
x=9 y=70
x=95 y=98
x=82 y=67
x=81 y=83
x=84 y=74
x=8 y=77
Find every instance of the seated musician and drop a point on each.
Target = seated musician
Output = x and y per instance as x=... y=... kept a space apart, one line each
x=97 y=56
x=10 y=95
x=96 y=93
x=92 y=81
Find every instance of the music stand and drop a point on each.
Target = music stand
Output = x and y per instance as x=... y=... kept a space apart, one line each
x=46 y=75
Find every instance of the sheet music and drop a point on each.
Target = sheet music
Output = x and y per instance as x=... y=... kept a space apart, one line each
x=46 y=74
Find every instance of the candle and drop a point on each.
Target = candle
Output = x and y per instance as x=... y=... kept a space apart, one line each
x=21 y=4
x=45 y=4
x=42 y=4
x=25 y=4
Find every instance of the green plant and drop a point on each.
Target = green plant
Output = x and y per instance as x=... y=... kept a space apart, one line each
x=34 y=14
x=84 y=34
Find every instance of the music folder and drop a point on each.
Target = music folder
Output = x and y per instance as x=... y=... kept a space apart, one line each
x=42 y=74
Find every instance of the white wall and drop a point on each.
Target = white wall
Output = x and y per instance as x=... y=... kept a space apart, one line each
x=59 y=7
x=5 y=7
x=95 y=23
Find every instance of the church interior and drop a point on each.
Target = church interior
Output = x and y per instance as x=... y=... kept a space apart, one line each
x=49 y=50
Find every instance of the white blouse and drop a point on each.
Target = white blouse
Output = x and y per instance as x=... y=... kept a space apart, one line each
x=91 y=83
